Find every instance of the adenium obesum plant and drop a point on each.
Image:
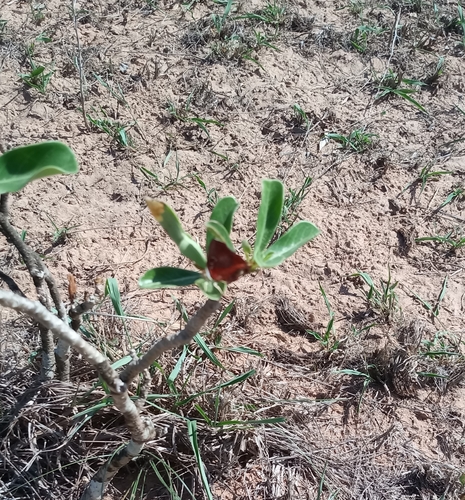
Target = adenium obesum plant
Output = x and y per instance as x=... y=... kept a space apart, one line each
x=222 y=265
x=18 y=167
x=214 y=270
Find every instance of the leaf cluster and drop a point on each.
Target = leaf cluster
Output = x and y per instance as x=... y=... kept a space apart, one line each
x=263 y=255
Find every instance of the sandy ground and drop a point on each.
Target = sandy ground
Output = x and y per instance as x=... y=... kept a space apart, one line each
x=153 y=70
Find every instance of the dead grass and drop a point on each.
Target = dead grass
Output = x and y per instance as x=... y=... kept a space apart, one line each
x=49 y=450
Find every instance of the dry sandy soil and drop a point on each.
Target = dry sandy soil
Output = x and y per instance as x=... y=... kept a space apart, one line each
x=373 y=410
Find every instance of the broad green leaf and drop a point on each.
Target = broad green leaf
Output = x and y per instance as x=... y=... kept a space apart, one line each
x=169 y=221
x=219 y=233
x=21 y=165
x=214 y=290
x=223 y=213
x=290 y=242
x=167 y=277
x=269 y=215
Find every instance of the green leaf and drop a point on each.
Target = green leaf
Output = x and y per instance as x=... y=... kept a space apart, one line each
x=176 y=371
x=242 y=350
x=208 y=352
x=166 y=277
x=219 y=233
x=365 y=277
x=214 y=290
x=121 y=362
x=223 y=213
x=112 y=290
x=247 y=250
x=169 y=221
x=269 y=215
x=224 y=313
x=236 y=380
x=290 y=242
x=21 y=165
x=405 y=93
x=348 y=371
x=192 y=432
x=37 y=71
x=273 y=420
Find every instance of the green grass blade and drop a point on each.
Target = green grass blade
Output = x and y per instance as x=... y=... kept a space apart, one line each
x=404 y=93
x=425 y=304
x=224 y=313
x=176 y=370
x=112 y=290
x=121 y=362
x=442 y=293
x=192 y=431
x=348 y=371
x=208 y=352
x=242 y=350
x=203 y=414
x=233 y=381
x=265 y=421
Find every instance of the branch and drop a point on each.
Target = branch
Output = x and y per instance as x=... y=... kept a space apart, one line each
x=37 y=274
x=62 y=351
x=11 y=283
x=40 y=273
x=4 y=204
x=96 y=487
x=167 y=343
x=142 y=430
x=61 y=330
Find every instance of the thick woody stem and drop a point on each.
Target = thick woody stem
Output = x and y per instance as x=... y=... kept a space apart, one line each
x=103 y=477
x=4 y=204
x=167 y=343
x=61 y=330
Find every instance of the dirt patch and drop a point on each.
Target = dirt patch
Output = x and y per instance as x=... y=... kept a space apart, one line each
x=359 y=108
